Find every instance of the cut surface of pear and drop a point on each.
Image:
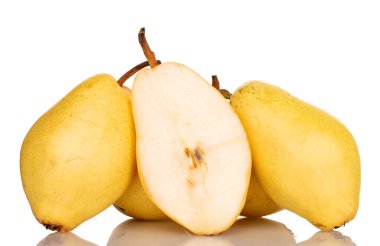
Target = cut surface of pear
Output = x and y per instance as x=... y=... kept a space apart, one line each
x=192 y=154
x=305 y=159
x=78 y=158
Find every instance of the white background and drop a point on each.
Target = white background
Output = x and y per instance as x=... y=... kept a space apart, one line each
x=324 y=52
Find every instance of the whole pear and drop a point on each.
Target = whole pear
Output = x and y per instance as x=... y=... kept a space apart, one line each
x=258 y=203
x=305 y=159
x=79 y=157
x=136 y=203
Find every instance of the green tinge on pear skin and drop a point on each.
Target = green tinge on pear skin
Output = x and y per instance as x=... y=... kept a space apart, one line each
x=78 y=158
x=304 y=158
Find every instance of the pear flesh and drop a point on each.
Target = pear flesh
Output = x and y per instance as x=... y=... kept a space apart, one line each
x=305 y=159
x=78 y=158
x=193 y=156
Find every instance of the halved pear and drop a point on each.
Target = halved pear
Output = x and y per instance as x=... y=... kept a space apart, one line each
x=192 y=152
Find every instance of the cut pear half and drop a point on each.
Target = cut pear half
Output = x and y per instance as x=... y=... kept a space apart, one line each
x=193 y=156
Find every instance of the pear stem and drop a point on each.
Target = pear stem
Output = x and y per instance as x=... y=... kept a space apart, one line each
x=215 y=83
x=149 y=54
x=132 y=71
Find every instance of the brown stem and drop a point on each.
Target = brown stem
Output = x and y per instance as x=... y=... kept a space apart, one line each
x=149 y=54
x=215 y=83
x=131 y=72
x=227 y=95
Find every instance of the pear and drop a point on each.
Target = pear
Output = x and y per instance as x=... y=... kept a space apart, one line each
x=192 y=153
x=258 y=203
x=304 y=159
x=79 y=157
x=135 y=203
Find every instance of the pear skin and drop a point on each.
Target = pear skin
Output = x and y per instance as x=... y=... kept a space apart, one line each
x=258 y=203
x=78 y=158
x=305 y=159
x=135 y=203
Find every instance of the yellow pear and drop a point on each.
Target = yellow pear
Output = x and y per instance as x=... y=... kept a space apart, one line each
x=305 y=159
x=135 y=203
x=257 y=203
x=79 y=157
x=192 y=153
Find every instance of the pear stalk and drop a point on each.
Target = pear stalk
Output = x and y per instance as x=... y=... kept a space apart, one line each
x=215 y=83
x=133 y=71
x=149 y=54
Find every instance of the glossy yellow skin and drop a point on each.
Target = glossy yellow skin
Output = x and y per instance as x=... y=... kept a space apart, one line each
x=305 y=159
x=135 y=203
x=258 y=203
x=78 y=158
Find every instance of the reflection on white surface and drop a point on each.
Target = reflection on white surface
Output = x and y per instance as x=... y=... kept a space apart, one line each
x=64 y=239
x=195 y=240
x=259 y=232
x=333 y=238
x=136 y=232
x=167 y=233
x=243 y=232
